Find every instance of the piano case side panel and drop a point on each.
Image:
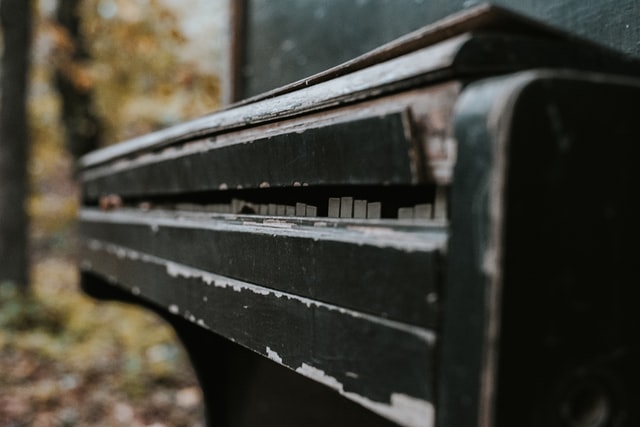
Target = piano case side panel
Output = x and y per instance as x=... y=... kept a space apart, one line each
x=542 y=252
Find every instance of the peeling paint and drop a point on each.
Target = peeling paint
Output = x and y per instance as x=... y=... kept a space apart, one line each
x=432 y=298
x=426 y=240
x=179 y=270
x=121 y=253
x=273 y=355
x=403 y=409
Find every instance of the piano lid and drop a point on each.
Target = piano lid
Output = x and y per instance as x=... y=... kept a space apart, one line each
x=479 y=42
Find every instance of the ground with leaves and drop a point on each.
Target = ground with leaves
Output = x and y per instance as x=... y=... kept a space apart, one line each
x=66 y=360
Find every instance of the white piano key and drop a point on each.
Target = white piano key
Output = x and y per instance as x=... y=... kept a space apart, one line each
x=374 y=210
x=281 y=210
x=359 y=208
x=289 y=210
x=301 y=209
x=334 y=207
x=346 y=207
x=311 y=210
x=236 y=205
x=423 y=211
x=440 y=205
x=405 y=213
x=272 y=209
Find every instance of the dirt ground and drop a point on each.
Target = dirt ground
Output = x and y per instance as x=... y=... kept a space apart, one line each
x=66 y=360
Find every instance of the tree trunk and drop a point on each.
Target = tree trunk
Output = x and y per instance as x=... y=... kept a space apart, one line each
x=15 y=22
x=82 y=125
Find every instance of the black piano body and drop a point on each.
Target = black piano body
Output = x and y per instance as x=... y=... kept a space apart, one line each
x=442 y=231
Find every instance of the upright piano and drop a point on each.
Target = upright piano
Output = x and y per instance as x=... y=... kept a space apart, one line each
x=440 y=232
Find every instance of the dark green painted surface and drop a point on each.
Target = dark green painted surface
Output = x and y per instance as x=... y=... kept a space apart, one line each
x=555 y=271
x=291 y=39
x=365 y=151
x=334 y=341
x=314 y=265
x=570 y=271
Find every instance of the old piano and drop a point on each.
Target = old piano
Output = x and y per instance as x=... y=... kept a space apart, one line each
x=440 y=232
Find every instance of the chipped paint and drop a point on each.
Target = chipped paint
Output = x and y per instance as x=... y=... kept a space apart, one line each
x=273 y=355
x=403 y=409
x=428 y=239
x=121 y=253
x=432 y=298
x=179 y=270
x=182 y=271
x=374 y=79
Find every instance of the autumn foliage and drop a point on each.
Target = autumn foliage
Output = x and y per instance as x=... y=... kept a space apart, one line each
x=67 y=360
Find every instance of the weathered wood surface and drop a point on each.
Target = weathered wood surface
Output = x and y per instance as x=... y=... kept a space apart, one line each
x=365 y=144
x=545 y=284
x=412 y=311
x=455 y=54
x=372 y=269
x=522 y=139
x=352 y=145
x=326 y=155
x=347 y=350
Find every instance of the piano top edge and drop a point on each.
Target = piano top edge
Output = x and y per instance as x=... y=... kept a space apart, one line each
x=439 y=44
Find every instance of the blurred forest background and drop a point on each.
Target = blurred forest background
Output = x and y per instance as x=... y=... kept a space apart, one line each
x=101 y=71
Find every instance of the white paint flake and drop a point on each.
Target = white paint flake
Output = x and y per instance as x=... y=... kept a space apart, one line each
x=403 y=409
x=174 y=309
x=274 y=356
x=177 y=270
